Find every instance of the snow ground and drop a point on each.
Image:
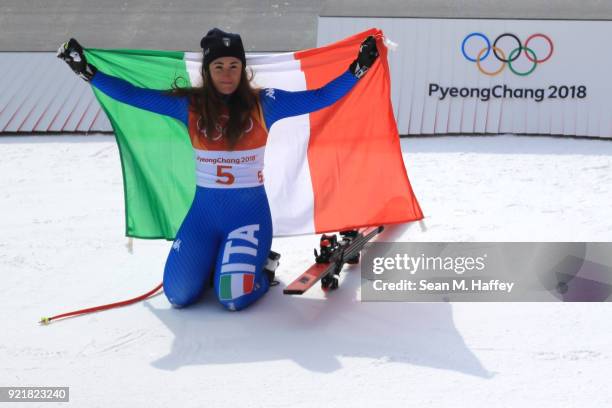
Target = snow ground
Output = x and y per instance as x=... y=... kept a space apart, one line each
x=61 y=248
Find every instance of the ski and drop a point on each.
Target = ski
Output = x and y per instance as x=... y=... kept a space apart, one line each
x=332 y=257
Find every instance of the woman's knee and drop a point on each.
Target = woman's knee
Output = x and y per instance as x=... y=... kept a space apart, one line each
x=235 y=305
x=179 y=299
x=185 y=275
x=241 y=294
x=180 y=294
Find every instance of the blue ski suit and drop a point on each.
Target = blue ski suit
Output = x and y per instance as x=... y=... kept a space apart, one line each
x=228 y=228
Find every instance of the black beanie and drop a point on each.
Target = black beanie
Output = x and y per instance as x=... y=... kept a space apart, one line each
x=217 y=43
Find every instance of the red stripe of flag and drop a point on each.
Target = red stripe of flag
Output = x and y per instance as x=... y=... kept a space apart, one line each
x=247 y=283
x=354 y=153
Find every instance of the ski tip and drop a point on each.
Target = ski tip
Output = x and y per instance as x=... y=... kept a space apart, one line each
x=44 y=321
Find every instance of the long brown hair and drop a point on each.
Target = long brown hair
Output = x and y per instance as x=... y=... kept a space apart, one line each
x=207 y=103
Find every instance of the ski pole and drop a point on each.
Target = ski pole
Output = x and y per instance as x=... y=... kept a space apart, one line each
x=151 y=293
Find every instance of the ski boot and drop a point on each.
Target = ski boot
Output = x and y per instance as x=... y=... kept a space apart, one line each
x=270 y=267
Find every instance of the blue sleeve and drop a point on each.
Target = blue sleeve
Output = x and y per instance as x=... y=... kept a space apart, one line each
x=278 y=104
x=149 y=99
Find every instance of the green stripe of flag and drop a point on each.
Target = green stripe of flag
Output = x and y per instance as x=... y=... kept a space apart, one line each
x=225 y=290
x=156 y=153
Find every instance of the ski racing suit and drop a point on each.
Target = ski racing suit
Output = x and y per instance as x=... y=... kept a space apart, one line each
x=228 y=228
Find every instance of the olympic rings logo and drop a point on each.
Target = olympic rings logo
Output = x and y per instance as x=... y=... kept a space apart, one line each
x=500 y=55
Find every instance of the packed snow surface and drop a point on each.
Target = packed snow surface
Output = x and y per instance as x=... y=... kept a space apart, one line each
x=62 y=248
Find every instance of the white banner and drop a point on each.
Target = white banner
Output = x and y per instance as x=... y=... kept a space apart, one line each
x=494 y=76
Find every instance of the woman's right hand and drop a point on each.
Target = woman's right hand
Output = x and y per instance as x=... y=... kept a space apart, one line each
x=72 y=53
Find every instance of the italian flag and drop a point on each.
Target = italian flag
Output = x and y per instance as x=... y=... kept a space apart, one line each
x=335 y=169
x=234 y=285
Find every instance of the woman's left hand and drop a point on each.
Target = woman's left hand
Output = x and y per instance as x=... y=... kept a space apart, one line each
x=366 y=57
